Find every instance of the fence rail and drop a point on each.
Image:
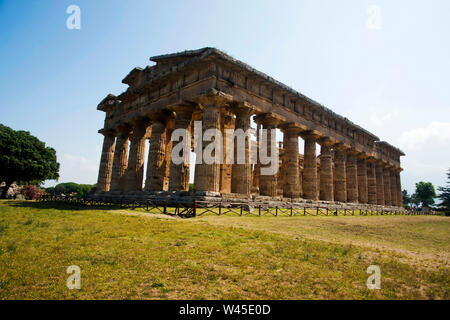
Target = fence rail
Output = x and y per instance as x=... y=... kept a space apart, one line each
x=200 y=208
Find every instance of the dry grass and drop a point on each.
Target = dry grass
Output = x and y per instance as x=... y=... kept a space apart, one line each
x=130 y=254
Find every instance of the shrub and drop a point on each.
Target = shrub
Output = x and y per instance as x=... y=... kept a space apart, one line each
x=32 y=192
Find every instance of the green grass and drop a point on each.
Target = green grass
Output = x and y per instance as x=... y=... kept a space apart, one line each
x=126 y=254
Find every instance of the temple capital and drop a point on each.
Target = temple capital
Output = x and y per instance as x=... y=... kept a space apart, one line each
x=269 y=119
x=310 y=135
x=326 y=141
x=213 y=97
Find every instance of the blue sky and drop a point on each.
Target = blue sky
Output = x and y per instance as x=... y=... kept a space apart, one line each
x=394 y=80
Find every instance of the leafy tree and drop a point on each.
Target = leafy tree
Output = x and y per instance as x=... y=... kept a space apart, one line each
x=68 y=188
x=406 y=198
x=25 y=159
x=425 y=193
x=415 y=200
x=444 y=195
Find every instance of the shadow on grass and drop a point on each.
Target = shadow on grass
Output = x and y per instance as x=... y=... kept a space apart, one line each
x=60 y=205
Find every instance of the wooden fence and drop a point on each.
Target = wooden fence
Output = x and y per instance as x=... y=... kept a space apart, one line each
x=199 y=208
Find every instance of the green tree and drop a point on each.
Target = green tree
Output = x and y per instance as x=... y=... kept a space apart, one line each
x=68 y=188
x=425 y=193
x=444 y=195
x=25 y=159
x=415 y=200
x=406 y=198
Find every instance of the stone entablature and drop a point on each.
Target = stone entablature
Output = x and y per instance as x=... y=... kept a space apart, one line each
x=182 y=85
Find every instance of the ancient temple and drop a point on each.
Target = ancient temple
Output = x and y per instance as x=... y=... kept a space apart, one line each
x=353 y=166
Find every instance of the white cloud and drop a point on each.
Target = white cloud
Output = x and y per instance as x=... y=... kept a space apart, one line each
x=380 y=118
x=427 y=154
x=435 y=134
x=78 y=169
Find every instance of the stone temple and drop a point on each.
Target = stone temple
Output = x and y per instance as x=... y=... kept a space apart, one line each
x=353 y=166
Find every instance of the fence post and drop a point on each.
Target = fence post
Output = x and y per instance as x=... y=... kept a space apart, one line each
x=259 y=210
x=195 y=208
x=276 y=211
x=165 y=207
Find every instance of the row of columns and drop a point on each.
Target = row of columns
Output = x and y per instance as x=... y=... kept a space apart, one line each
x=345 y=175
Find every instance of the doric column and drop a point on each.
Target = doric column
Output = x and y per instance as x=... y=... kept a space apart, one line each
x=179 y=172
x=268 y=183
x=362 y=179
x=257 y=166
x=352 y=177
x=156 y=157
x=394 y=193
x=310 y=190
x=168 y=156
x=380 y=184
x=326 y=170
x=387 y=186
x=300 y=175
x=106 y=161
x=290 y=162
x=371 y=181
x=340 y=180
x=208 y=174
x=120 y=164
x=136 y=159
x=399 y=188
x=281 y=177
x=241 y=174
x=227 y=122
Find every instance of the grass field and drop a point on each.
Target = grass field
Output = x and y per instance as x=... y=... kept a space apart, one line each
x=126 y=254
